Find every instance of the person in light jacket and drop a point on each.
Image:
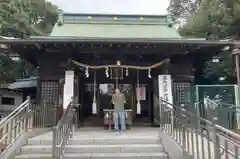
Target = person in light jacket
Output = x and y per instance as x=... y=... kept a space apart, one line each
x=119 y=100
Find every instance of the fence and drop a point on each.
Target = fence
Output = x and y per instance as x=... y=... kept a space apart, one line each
x=14 y=125
x=24 y=118
x=44 y=115
x=225 y=97
x=206 y=140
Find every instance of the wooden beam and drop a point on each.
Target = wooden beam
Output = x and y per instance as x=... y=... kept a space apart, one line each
x=131 y=49
x=97 y=40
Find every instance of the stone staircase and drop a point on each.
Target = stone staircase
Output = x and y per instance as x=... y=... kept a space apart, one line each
x=141 y=143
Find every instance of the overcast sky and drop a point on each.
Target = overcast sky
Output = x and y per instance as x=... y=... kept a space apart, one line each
x=147 y=7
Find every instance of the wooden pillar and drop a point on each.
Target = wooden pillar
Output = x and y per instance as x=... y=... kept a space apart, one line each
x=81 y=99
x=149 y=97
x=155 y=101
x=38 y=91
x=134 y=102
x=98 y=100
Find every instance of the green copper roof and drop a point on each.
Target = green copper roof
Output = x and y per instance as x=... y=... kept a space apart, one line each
x=114 y=26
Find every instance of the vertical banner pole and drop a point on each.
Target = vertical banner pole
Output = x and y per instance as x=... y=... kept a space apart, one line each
x=138 y=95
x=94 y=104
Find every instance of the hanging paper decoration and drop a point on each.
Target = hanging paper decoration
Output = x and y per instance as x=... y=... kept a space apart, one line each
x=126 y=115
x=94 y=104
x=86 y=72
x=106 y=72
x=149 y=73
x=126 y=72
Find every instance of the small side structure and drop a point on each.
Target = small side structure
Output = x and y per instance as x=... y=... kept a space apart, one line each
x=13 y=94
x=9 y=100
x=27 y=86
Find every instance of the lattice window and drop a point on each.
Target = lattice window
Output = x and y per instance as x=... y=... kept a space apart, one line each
x=49 y=91
x=182 y=92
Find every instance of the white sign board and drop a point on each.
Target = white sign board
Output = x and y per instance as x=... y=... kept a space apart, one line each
x=165 y=93
x=68 y=92
x=165 y=88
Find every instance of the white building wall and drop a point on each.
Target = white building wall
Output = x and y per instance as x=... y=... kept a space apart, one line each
x=18 y=96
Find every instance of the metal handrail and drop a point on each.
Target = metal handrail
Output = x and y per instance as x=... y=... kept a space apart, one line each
x=14 y=125
x=15 y=111
x=63 y=131
x=3 y=115
x=24 y=118
x=228 y=114
x=199 y=138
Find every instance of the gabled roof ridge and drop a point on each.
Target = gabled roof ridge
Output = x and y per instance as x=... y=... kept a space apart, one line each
x=73 y=17
x=116 y=23
x=110 y=14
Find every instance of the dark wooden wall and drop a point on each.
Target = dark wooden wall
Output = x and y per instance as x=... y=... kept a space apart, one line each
x=50 y=65
x=51 y=71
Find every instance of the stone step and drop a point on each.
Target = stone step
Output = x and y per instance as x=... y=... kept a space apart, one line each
x=100 y=141
x=98 y=156
x=38 y=149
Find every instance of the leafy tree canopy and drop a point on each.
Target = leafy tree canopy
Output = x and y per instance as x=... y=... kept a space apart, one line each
x=214 y=20
x=21 y=19
x=183 y=7
x=211 y=19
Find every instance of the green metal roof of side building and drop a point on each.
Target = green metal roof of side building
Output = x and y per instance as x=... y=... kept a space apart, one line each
x=24 y=83
x=114 y=26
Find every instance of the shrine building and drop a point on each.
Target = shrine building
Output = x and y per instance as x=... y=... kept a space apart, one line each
x=88 y=56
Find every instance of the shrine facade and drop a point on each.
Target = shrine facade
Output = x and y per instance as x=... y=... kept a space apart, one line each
x=88 y=56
